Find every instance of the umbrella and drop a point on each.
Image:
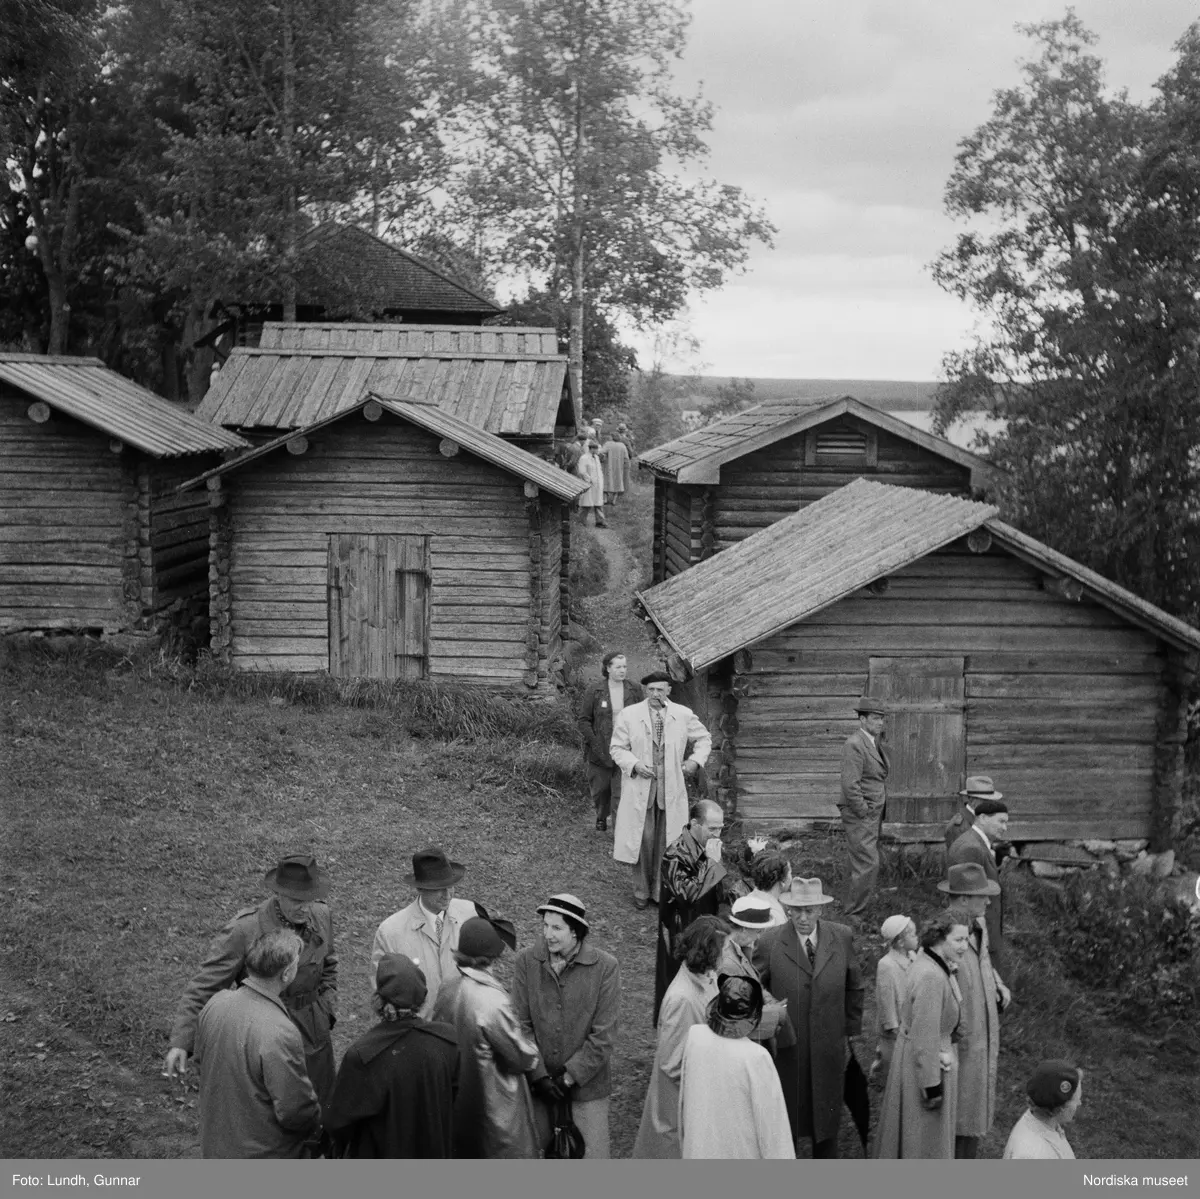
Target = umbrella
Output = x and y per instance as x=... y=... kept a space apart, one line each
x=857 y=1098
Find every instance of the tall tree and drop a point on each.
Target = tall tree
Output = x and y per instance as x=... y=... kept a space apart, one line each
x=1085 y=268
x=575 y=144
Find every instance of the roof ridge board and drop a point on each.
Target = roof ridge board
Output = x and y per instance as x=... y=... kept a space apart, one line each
x=356 y=352
x=53 y=359
x=406 y=326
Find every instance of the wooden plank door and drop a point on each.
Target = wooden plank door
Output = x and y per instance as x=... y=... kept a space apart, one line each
x=378 y=589
x=926 y=735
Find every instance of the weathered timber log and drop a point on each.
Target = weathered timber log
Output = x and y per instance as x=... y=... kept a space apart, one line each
x=1167 y=791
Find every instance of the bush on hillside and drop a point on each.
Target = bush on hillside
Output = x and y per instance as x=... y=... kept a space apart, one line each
x=1128 y=937
x=589 y=563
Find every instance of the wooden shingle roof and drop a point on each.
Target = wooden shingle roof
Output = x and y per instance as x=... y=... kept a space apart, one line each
x=392 y=278
x=87 y=390
x=433 y=419
x=505 y=381
x=825 y=552
x=697 y=457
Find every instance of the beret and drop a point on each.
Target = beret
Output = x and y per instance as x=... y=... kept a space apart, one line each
x=1053 y=1083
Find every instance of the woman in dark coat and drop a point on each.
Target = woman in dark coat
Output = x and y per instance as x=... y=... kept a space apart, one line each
x=395 y=1091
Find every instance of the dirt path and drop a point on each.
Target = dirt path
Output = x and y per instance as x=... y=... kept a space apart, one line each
x=610 y=618
x=63 y=1097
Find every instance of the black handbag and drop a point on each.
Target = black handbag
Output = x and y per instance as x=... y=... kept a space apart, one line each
x=566 y=1141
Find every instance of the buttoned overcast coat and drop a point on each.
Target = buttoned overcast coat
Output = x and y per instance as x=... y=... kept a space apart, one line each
x=633 y=742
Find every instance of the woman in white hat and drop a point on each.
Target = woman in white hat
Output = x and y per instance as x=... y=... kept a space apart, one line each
x=899 y=935
x=567 y=995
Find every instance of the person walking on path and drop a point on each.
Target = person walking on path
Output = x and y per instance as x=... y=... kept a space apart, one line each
x=599 y=707
x=493 y=1115
x=920 y=1103
x=694 y=986
x=811 y=964
x=979 y=844
x=1055 y=1092
x=256 y=1099
x=591 y=502
x=427 y=930
x=891 y=981
x=984 y=996
x=299 y=888
x=865 y=765
x=648 y=744
x=695 y=882
x=730 y=1102
x=395 y=1089
x=616 y=469
x=567 y=996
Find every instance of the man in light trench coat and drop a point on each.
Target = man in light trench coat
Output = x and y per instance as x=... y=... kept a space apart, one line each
x=649 y=741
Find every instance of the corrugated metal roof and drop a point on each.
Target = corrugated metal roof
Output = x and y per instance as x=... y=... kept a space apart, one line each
x=698 y=457
x=802 y=564
x=87 y=390
x=434 y=420
x=337 y=259
x=503 y=381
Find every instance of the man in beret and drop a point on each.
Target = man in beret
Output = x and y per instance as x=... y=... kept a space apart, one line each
x=865 y=766
x=428 y=929
x=395 y=1090
x=649 y=744
x=299 y=888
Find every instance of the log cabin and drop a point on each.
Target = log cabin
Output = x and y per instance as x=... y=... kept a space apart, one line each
x=93 y=535
x=508 y=381
x=391 y=540
x=992 y=653
x=721 y=483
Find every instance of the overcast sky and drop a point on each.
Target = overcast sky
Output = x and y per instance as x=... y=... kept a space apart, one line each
x=844 y=119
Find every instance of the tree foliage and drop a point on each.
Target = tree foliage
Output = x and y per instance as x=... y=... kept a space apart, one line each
x=1084 y=260
x=573 y=145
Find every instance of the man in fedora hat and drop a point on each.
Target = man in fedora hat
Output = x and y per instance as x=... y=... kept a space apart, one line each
x=730 y=1102
x=810 y=963
x=978 y=844
x=299 y=888
x=864 y=795
x=977 y=787
x=969 y=891
x=427 y=930
x=649 y=743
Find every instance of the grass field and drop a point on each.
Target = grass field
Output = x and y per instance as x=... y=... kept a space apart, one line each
x=143 y=800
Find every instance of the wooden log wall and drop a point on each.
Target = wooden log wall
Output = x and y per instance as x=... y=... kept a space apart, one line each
x=220 y=557
x=680 y=532
x=177 y=533
x=546 y=598
x=661 y=487
x=757 y=490
x=1179 y=684
x=1063 y=699
x=69 y=539
x=382 y=477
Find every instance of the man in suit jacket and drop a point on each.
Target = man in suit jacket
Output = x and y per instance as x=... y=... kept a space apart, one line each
x=648 y=744
x=978 y=786
x=598 y=709
x=978 y=844
x=864 y=795
x=810 y=963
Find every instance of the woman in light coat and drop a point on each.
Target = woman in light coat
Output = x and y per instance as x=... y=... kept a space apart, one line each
x=493 y=1114
x=920 y=1103
x=685 y=1003
x=588 y=468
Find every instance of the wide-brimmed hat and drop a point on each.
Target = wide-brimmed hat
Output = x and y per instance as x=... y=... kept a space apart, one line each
x=980 y=786
x=484 y=937
x=401 y=981
x=736 y=1009
x=804 y=893
x=749 y=912
x=968 y=878
x=298 y=877
x=869 y=706
x=566 y=905
x=432 y=870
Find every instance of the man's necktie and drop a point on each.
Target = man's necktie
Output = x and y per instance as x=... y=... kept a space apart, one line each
x=658 y=724
x=438 y=921
x=812 y=953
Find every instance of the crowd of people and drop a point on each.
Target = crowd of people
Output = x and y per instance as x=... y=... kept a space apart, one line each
x=757 y=994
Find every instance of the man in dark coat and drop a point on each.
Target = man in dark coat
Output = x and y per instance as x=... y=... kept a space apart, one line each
x=810 y=963
x=865 y=767
x=598 y=709
x=695 y=883
x=978 y=844
x=396 y=1088
x=978 y=786
x=299 y=888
